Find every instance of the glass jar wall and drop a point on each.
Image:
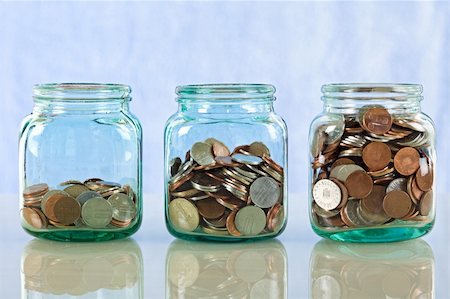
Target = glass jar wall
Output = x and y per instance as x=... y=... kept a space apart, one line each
x=372 y=160
x=80 y=163
x=225 y=163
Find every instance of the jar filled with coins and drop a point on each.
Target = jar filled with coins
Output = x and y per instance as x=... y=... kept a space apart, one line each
x=225 y=163
x=372 y=154
x=80 y=163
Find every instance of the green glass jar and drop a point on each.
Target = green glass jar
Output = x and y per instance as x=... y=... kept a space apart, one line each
x=112 y=270
x=225 y=163
x=239 y=270
x=372 y=154
x=396 y=270
x=80 y=163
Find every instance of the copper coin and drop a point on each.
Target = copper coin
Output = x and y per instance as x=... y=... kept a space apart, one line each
x=34 y=218
x=272 y=214
x=220 y=150
x=49 y=205
x=376 y=155
x=359 y=184
x=424 y=178
x=341 y=161
x=226 y=161
x=231 y=226
x=335 y=221
x=344 y=192
x=397 y=204
x=406 y=161
x=35 y=190
x=377 y=120
x=426 y=203
x=415 y=192
x=66 y=210
x=374 y=201
x=231 y=202
x=210 y=208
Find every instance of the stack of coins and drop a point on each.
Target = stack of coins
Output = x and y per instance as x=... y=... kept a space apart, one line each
x=221 y=192
x=92 y=204
x=372 y=169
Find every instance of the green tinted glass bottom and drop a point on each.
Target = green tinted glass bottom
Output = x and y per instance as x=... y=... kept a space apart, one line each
x=74 y=235
x=376 y=235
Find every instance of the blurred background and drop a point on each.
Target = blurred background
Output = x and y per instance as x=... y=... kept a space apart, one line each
x=155 y=46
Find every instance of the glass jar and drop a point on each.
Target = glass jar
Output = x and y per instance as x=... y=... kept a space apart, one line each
x=253 y=270
x=372 y=160
x=82 y=270
x=396 y=270
x=80 y=163
x=225 y=162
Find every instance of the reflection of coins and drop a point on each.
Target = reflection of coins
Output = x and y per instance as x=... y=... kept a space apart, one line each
x=123 y=207
x=326 y=286
x=183 y=269
x=97 y=212
x=250 y=266
x=63 y=275
x=183 y=214
x=265 y=192
x=265 y=288
x=202 y=153
x=327 y=194
x=250 y=220
x=97 y=273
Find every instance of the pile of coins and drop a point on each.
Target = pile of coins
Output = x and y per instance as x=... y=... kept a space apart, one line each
x=371 y=169
x=92 y=204
x=219 y=192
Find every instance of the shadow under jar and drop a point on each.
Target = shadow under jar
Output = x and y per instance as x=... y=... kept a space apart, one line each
x=372 y=160
x=80 y=163
x=225 y=162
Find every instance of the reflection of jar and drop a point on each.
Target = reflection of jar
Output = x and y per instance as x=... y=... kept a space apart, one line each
x=396 y=270
x=372 y=164
x=225 y=155
x=109 y=270
x=248 y=270
x=80 y=163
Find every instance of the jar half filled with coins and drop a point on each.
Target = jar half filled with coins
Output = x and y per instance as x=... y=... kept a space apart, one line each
x=372 y=154
x=80 y=163
x=225 y=163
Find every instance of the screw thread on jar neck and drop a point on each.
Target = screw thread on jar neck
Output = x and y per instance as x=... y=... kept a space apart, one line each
x=349 y=98
x=226 y=98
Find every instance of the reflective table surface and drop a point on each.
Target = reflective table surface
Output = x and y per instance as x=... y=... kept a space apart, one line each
x=153 y=264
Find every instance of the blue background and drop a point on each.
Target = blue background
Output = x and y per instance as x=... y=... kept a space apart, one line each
x=155 y=46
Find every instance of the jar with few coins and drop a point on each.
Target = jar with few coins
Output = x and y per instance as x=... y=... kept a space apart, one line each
x=372 y=164
x=80 y=163
x=225 y=164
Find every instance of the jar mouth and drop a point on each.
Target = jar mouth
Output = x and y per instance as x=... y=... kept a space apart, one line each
x=372 y=91
x=81 y=91
x=225 y=92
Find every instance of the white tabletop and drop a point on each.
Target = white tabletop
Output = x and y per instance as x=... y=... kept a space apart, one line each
x=153 y=264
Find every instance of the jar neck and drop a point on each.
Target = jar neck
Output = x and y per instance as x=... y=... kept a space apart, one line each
x=80 y=98
x=226 y=99
x=349 y=98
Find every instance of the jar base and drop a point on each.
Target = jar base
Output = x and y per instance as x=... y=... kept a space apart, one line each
x=380 y=235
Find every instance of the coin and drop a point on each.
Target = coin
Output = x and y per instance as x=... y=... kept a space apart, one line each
x=424 y=178
x=265 y=192
x=275 y=218
x=258 y=149
x=359 y=184
x=85 y=196
x=66 y=210
x=220 y=150
x=426 y=203
x=174 y=166
x=34 y=217
x=75 y=190
x=406 y=161
x=397 y=204
x=246 y=159
x=230 y=224
x=183 y=214
x=341 y=172
x=377 y=120
x=397 y=184
x=317 y=143
x=250 y=220
x=374 y=201
x=327 y=194
x=341 y=161
x=350 y=216
x=35 y=190
x=202 y=153
x=376 y=155
x=123 y=207
x=210 y=208
x=97 y=212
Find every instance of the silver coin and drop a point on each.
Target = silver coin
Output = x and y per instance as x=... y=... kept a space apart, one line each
x=327 y=194
x=123 y=207
x=372 y=218
x=248 y=174
x=341 y=172
x=246 y=159
x=352 y=213
x=202 y=153
x=397 y=185
x=334 y=129
x=324 y=213
x=85 y=196
x=317 y=142
x=265 y=192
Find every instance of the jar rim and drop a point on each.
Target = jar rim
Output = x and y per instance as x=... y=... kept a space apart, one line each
x=396 y=88
x=225 y=91
x=82 y=91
